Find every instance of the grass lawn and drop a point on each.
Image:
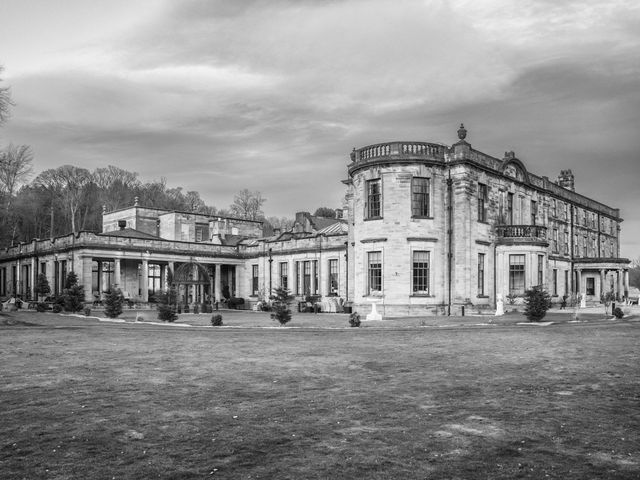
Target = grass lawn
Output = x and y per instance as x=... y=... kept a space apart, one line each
x=82 y=399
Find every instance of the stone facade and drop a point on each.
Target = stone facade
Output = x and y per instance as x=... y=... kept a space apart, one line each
x=424 y=229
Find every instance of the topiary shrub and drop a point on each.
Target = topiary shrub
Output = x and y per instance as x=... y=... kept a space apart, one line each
x=57 y=308
x=354 y=319
x=618 y=313
x=216 y=320
x=87 y=311
x=42 y=286
x=537 y=301
x=113 y=301
x=280 y=305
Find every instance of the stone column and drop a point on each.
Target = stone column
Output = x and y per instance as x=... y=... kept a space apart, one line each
x=217 y=284
x=34 y=270
x=578 y=281
x=145 y=280
x=619 y=290
x=172 y=269
x=626 y=283
x=314 y=272
x=85 y=277
x=116 y=273
x=237 y=284
x=602 y=280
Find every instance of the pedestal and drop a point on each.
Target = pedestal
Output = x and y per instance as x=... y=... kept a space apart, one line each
x=374 y=315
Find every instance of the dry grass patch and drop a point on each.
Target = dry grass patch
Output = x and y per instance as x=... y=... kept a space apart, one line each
x=92 y=400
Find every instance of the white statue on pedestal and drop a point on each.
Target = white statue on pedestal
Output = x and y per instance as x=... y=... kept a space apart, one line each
x=499 y=305
x=583 y=301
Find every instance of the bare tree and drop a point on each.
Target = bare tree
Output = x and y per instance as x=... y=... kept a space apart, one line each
x=5 y=101
x=15 y=168
x=248 y=205
x=70 y=181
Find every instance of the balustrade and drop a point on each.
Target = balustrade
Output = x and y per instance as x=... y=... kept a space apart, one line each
x=521 y=231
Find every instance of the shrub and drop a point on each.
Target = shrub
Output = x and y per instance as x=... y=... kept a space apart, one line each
x=280 y=305
x=235 y=302
x=216 y=320
x=618 y=313
x=87 y=311
x=537 y=301
x=42 y=307
x=354 y=319
x=196 y=308
x=166 y=306
x=42 y=285
x=73 y=294
x=57 y=308
x=113 y=301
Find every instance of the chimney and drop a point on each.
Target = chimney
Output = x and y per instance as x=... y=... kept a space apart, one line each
x=276 y=231
x=566 y=180
x=122 y=224
x=339 y=213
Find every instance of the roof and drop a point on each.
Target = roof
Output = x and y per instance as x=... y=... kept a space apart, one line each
x=130 y=233
x=335 y=228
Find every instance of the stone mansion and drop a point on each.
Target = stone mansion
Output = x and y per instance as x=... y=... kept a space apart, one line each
x=425 y=229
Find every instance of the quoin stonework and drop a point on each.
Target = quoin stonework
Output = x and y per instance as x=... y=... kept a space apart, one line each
x=424 y=229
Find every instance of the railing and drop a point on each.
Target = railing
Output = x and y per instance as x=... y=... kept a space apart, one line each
x=393 y=149
x=521 y=231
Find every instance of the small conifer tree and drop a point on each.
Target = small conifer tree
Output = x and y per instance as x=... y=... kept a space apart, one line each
x=113 y=301
x=166 y=305
x=280 y=305
x=537 y=301
x=42 y=286
x=73 y=294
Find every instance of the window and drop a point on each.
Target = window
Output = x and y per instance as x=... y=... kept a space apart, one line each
x=534 y=212
x=509 y=208
x=43 y=268
x=3 y=281
x=154 y=279
x=284 y=275
x=585 y=251
x=421 y=273
x=481 y=257
x=419 y=197
x=202 y=233
x=540 y=269
x=25 y=283
x=566 y=211
x=333 y=277
x=555 y=282
x=566 y=242
x=316 y=284
x=374 y=272
x=374 y=198
x=306 y=279
x=254 y=279
x=516 y=274
x=584 y=218
x=14 y=279
x=566 y=282
x=593 y=220
x=576 y=245
x=591 y=286
x=554 y=208
x=482 y=202
x=554 y=242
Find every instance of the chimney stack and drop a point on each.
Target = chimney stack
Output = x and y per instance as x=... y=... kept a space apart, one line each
x=566 y=180
x=122 y=224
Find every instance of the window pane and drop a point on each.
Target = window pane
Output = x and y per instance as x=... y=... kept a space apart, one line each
x=374 y=197
x=420 y=197
x=516 y=274
x=421 y=272
x=374 y=261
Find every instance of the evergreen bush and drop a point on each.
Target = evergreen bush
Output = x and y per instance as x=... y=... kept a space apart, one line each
x=280 y=305
x=354 y=319
x=166 y=306
x=113 y=301
x=618 y=313
x=42 y=285
x=42 y=307
x=87 y=311
x=57 y=308
x=216 y=320
x=73 y=294
x=537 y=301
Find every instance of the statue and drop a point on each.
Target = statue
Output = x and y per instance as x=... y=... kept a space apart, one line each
x=499 y=305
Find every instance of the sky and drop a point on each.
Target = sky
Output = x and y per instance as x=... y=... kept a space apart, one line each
x=272 y=95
